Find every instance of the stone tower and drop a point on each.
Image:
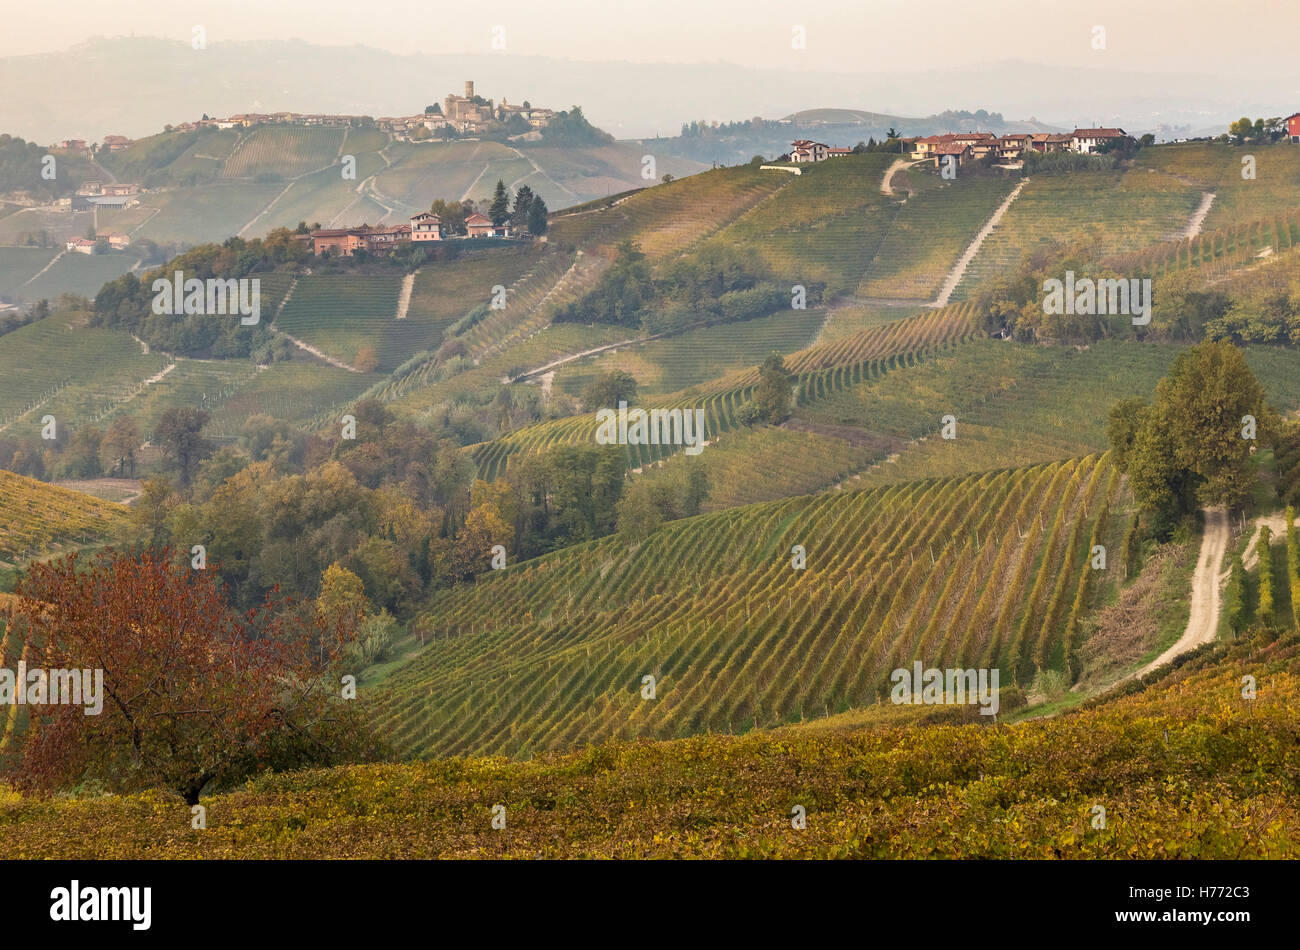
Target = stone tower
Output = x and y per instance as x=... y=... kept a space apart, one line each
x=469 y=89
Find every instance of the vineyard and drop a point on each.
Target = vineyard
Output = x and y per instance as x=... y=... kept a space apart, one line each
x=283 y=151
x=1124 y=212
x=41 y=519
x=1214 y=254
x=307 y=394
x=342 y=314
x=818 y=371
x=665 y=219
x=80 y=274
x=946 y=790
x=76 y=373
x=697 y=356
x=205 y=213
x=929 y=235
x=974 y=571
x=18 y=265
x=754 y=465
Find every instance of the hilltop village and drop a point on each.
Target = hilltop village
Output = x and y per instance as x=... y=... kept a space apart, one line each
x=469 y=114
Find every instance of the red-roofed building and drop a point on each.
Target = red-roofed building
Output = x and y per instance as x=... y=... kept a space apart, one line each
x=1086 y=141
x=480 y=226
x=959 y=151
x=426 y=226
x=345 y=242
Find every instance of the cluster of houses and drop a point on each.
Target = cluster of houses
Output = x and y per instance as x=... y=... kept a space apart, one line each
x=965 y=146
x=424 y=227
x=803 y=150
x=93 y=194
x=116 y=240
x=114 y=143
x=465 y=114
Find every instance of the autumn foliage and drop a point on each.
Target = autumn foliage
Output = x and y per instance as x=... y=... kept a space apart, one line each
x=195 y=693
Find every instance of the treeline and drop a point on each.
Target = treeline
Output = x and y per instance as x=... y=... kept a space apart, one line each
x=23 y=169
x=397 y=506
x=1192 y=446
x=127 y=303
x=719 y=282
x=1265 y=308
x=571 y=128
x=1012 y=305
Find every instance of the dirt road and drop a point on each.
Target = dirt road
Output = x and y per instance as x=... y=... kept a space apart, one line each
x=1207 y=585
x=959 y=269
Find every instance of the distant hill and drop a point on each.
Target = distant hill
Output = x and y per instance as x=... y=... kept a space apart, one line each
x=732 y=142
x=133 y=86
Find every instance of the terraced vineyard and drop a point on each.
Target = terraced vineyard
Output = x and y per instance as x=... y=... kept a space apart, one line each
x=39 y=518
x=819 y=371
x=972 y=571
x=929 y=235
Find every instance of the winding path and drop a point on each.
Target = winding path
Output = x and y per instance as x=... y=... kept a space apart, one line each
x=1207 y=586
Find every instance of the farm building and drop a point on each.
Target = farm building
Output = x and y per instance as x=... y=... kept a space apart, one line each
x=426 y=226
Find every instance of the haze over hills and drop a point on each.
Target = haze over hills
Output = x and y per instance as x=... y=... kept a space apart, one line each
x=134 y=85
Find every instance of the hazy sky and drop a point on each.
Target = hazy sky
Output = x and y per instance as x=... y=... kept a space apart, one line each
x=1210 y=36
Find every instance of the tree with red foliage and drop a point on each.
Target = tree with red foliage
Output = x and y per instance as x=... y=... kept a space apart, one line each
x=193 y=691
